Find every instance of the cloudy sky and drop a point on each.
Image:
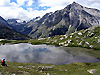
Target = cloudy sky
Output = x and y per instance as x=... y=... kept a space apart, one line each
x=29 y=9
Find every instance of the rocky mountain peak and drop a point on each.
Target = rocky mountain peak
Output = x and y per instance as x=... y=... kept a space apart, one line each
x=10 y=21
x=73 y=17
x=73 y=6
x=74 y=3
x=76 y=6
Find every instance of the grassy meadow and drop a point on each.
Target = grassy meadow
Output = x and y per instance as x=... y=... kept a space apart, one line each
x=89 y=38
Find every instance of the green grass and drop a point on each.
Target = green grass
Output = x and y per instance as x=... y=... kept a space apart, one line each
x=34 y=69
x=31 y=41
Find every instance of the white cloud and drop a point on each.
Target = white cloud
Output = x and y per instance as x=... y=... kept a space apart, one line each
x=90 y=3
x=13 y=10
x=60 y=4
x=30 y=2
x=63 y=3
x=4 y=3
x=53 y=3
x=21 y=2
x=95 y=5
x=19 y=12
x=93 y=0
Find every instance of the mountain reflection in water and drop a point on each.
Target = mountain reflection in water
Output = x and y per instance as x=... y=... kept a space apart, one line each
x=27 y=53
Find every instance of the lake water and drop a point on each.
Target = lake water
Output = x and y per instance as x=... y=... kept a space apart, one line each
x=27 y=53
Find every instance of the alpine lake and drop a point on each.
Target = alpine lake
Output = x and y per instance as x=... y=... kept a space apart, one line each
x=49 y=54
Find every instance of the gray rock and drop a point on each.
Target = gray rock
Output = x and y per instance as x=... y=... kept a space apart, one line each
x=92 y=71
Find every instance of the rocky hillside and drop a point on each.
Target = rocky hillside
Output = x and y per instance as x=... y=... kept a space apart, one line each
x=88 y=38
x=6 y=32
x=73 y=17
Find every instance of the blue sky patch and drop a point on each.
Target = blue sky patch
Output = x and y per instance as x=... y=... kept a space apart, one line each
x=35 y=5
x=13 y=1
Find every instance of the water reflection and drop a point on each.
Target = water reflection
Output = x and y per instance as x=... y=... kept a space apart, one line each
x=27 y=53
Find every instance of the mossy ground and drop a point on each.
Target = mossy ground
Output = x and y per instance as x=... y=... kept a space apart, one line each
x=14 y=68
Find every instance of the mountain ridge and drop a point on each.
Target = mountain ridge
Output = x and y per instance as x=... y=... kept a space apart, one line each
x=6 y=32
x=73 y=17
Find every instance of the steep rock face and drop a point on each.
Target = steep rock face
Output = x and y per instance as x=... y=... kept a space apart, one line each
x=7 y=33
x=4 y=22
x=73 y=17
x=16 y=26
x=80 y=18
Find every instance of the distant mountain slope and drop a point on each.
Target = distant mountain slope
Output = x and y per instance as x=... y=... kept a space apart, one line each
x=7 y=33
x=4 y=22
x=16 y=26
x=73 y=17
